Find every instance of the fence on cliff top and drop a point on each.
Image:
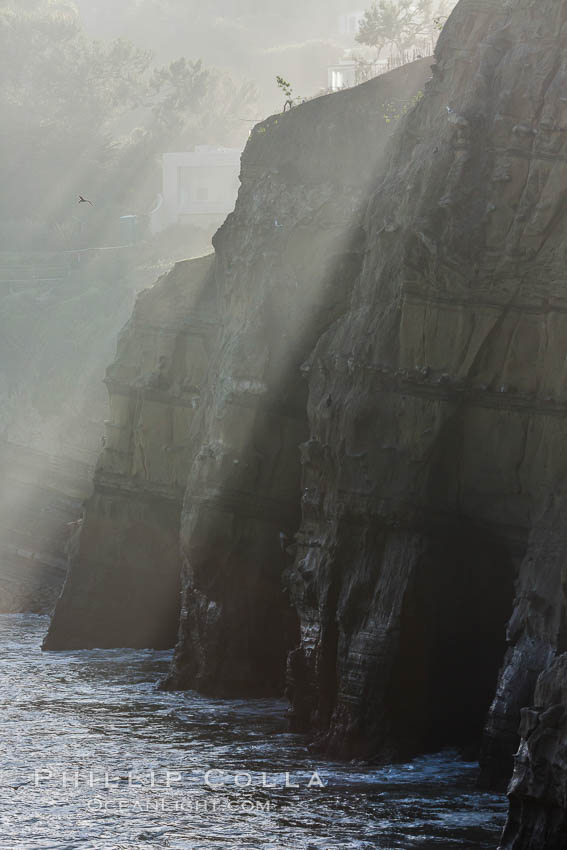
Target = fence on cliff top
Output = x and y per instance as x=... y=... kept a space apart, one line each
x=349 y=73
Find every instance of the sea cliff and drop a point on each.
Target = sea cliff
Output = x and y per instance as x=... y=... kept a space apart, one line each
x=343 y=434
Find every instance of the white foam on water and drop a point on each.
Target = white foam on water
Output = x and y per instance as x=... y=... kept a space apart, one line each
x=68 y=719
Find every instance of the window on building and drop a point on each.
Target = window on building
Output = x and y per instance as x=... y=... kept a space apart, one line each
x=337 y=80
x=202 y=193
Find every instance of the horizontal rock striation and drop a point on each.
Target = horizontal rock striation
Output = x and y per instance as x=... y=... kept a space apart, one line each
x=436 y=410
x=123 y=584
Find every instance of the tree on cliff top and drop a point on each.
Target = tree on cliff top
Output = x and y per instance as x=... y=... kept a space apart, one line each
x=400 y=23
x=83 y=116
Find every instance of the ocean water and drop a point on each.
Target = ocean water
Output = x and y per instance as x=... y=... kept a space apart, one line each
x=94 y=756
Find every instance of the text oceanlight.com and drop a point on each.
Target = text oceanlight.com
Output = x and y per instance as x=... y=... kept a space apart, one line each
x=213 y=806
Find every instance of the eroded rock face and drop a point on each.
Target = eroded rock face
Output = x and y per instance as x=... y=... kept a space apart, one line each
x=538 y=790
x=436 y=410
x=123 y=584
x=286 y=261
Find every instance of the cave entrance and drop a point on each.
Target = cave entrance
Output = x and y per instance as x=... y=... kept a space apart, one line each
x=452 y=642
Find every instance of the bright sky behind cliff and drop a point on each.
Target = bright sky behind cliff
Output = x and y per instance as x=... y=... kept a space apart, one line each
x=94 y=93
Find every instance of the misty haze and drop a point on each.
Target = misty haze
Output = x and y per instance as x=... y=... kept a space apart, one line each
x=283 y=401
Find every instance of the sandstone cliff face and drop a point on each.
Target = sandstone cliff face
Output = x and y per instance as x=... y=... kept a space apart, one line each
x=60 y=313
x=436 y=408
x=207 y=387
x=537 y=816
x=285 y=264
x=380 y=416
x=434 y=472
x=123 y=585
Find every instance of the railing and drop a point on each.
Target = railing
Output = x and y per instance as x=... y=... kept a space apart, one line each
x=348 y=74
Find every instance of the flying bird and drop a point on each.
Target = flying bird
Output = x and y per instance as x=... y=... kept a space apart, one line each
x=84 y=201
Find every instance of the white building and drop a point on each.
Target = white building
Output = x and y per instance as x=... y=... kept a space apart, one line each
x=342 y=76
x=199 y=186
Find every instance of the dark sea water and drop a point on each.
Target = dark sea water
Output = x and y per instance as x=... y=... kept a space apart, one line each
x=87 y=741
